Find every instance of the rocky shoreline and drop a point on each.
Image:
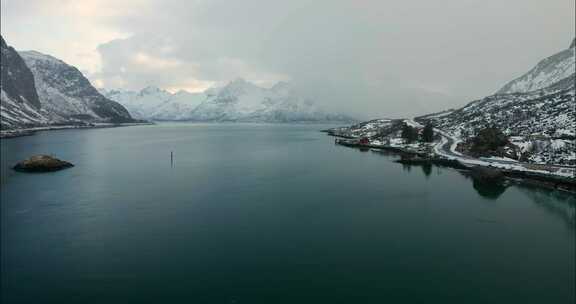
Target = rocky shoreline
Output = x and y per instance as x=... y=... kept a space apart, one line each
x=4 y=134
x=484 y=173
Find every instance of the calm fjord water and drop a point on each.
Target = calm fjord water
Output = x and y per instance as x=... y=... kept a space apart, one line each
x=268 y=214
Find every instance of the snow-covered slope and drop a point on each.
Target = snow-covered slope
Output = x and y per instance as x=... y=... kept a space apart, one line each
x=239 y=100
x=547 y=72
x=156 y=104
x=540 y=123
x=65 y=92
x=537 y=120
x=243 y=101
x=538 y=116
x=19 y=103
x=179 y=106
x=39 y=90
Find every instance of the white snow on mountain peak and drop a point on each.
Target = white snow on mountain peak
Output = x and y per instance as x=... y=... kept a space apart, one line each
x=239 y=100
x=64 y=91
x=150 y=90
x=547 y=72
x=35 y=56
x=39 y=90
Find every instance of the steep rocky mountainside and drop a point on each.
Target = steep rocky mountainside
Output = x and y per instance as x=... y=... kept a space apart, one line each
x=62 y=89
x=17 y=79
x=19 y=102
x=238 y=101
x=38 y=90
x=546 y=73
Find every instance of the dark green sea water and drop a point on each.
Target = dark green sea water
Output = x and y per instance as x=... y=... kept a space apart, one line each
x=268 y=214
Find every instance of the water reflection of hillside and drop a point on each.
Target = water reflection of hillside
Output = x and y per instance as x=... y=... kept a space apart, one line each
x=560 y=204
x=489 y=190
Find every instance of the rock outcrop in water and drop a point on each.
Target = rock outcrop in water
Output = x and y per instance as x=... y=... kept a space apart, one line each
x=42 y=163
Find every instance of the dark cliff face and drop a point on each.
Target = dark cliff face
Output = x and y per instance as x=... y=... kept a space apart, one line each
x=16 y=79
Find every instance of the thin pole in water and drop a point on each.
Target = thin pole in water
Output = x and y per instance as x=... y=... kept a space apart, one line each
x=171 y=159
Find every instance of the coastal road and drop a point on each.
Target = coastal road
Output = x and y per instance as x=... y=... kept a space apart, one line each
x=447 y=148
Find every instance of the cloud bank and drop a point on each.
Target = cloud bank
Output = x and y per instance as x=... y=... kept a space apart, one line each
x=373 y=58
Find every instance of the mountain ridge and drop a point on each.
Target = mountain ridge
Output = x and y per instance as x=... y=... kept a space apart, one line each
x=547 y=72
x=64 y=90
x=39 y=90
x=539 y=124
x=237 y=101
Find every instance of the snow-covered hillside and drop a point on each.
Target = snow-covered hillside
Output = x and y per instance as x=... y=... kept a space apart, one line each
x=19 y=103
x=239 y=100
x=372 y=129
x=63 y=90
x=538 y=116
x=39 y=91
x=540 y=122
x=547 y=72
x=157 y=104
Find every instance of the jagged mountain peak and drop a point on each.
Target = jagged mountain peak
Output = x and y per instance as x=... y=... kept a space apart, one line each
x=152 y=90
x=281 y=86
x=573 y=44
x=184 y=93
x=238 y=81
x=235 y=89
x=238 y=100
x=239 y=84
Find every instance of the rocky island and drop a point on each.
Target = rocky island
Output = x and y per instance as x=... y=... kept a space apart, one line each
x=42 y=163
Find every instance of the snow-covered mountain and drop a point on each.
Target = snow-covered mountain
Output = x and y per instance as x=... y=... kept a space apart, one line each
x=38 y=90
x=239 y=101
x=539 y=115
x=537 y=112
x=546 y=73
x=157 y=104
x=19 y=102
x=62 y=89
x=548 y=109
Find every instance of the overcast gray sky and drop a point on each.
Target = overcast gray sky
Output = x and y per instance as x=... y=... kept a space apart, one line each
x=382 y=58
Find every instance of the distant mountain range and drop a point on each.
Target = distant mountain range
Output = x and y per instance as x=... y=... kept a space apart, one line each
x=238 y=101
x=156 y=104
x=38 y=90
